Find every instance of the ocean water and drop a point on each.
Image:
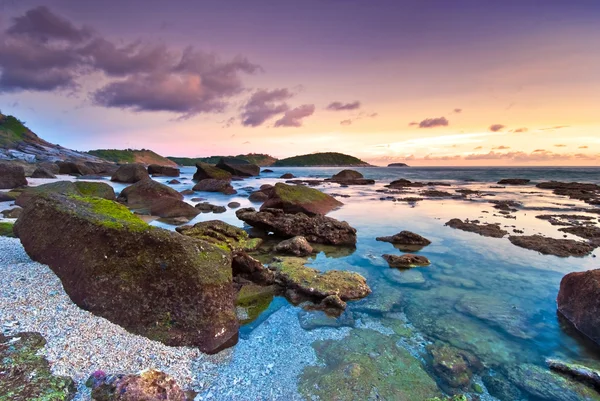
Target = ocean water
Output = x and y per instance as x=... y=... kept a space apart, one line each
x=481 y=295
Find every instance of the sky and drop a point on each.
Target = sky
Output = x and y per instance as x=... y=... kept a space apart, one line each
x=425 y=82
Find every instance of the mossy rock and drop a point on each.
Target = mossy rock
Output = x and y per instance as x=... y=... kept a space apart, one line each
x=59 y=187
x=143 y=193
x=221 y=234
x=254 y=299
x=366 y=365
x=6 y=229
x=96 y=189
x=300 y=199
x=25 y=375
x=205 y=170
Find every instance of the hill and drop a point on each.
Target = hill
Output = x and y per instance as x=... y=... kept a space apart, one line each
x=144 y=156
x=398 y=165
x=255 y=158
x=321 y=159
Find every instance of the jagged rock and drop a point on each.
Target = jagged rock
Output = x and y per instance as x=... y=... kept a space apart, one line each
x=221 y=234
x=12 y=176
x=153 y=282
x=406 y=261
x=432 y=193
x=143 y=193
x=206 y=207
x=486 y=230
x=41 y=172
x=579 y=301
x=316 y=229
x=148 y=385
x=166 y=171
x=214 y=185
x=514 y=181
x=249 y=268
x=300 y=199
x=238 y=167
x=130 y=173
x=74 y=168
x=205 y=171
x=588 y=232
x=552 y=246
x=297 y=246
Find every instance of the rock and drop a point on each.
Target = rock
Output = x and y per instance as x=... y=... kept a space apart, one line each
x=564 y=219
x=267 y=171
x=214 y=185
x=49 y=166
x=238 y=167
x=258 y=196
x=579 y=301
x=221 y=234
x=74 y=168
x=12 y=176
x=6 y=229
x=403 y=183
x=287 y=176
x=148 y=385
x=398 y=165
x=170 y=207
x=233 y=205
x=130 y=173
x=589 y=193
x=316 y=319
x=254 y=299
x=6 y=197
x=588 y=232
x=453 y=365
x=350 y=177
x=291 y=273
x=300 y=199
x=514 y=181
x=568 y=185
x=552 y=246
x=142 y=194
x=384 y=298
x=499 y=387
x=486 y=230
x=79 y=188
x=205 y=171
x=26 y=375
x=102 y=169
x=187 y=192
x=506 y=205
x=206 y=207
x=166 y=171
x=153 y=282
x=266 y=188
x=317 y=229
x=41 y=172
x=405 y=277
x=297 y=246
x=578 y=372
x=12 y=213
x=173 y=182
x=407 y=239
x=406 y=261
x=96 y=189
x=246 y=267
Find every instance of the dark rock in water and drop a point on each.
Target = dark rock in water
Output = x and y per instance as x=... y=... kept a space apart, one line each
x=316 y=319
x=258 y=196
x=287 y=176
x=173 y=182
x=403 y=183
x=148 y=385
x=552 y=246
x=432 y=193
x=266 y=188
x=506 y=205
x=350 y=177
x=589 y=193
x=588 y=232
x=300 y=199
x=564 y=219
x=221 y=234
x=579 y=301
x=12 y=213
x=153 y=282
x=500 y=387
x=25 y=375
x=170 y=207
x=297 y=246
x=143 y=193
x=78 y=188
x=453 y=365
x=468 y=192
x=187 y=192
x=6 y=229
x=249 y=268
x=267 y=171
x=74 y=168
x=41 y=172
x=233 y=205
x=514 y=181
x=406 y=261
x=568 y=185
x=239 y=167
x=205 y=171
x=406 y=238
x=578 y=372
x=166 y=171
x=318 y=229
x=486 y=230
x=12 y=176
x=206 y=207
x=130 y=173
x=214 y=185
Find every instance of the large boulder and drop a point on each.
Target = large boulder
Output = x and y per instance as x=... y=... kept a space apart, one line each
x=579 y=301
x=214 y=185
x=74 y=168
x=300 y=199
x=143 y=193
x=102 y=169
x=153 y=282
x=318 y=229
x=12 y=176
x=130 y=173
x=167 y=171
x=238 y=167
x=221 y=234
x=205 y=170
x=79 y=188
x=41 y=172
x=350 y=177
x=148 y=385
x=170 y=207
x=97 y=189
x=49 y=166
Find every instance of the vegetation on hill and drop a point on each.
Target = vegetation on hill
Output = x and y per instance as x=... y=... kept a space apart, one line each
x=13 y=130
x=321 y=159
x=144 y=156
x=255 y=158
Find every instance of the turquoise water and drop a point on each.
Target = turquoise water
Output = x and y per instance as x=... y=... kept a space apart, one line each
x=482 y=295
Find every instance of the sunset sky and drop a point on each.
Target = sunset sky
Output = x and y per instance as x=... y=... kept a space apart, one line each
x=427 y=82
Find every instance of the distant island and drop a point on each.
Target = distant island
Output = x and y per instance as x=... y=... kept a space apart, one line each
x=398 y=165
x=144 y=156
x=259 y=159
x=321 y=159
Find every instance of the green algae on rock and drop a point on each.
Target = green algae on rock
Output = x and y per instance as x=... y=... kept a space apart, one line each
x=6 y=229
x=366 y=365
x=205 y=171
x=254 y=299
x=454 y=366
x=221 y=234
x=25 y=375
x=300 y=199
x=96 y=189
x=153 y=282
x=406 y=261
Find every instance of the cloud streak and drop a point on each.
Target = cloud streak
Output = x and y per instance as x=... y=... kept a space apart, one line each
x=496 y=127
x=339 y=106
x=433 y=122
x=294 y=117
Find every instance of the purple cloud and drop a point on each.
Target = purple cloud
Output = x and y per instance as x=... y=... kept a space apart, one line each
x=433 y=122
x=457 y=111
x=293 y=118
x=496 y=127
x=346 y=122
x=337 y=106
x=264 y=104
x=42 y=25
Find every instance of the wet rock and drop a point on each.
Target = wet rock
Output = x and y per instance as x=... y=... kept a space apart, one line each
x=310 y=183
x=506 y=205
x=12 y=176
x=500 y=387
x=466 y=192
x=406 y=239
x=258 y=197
x=187 y=192
x=144 y=193
x=576 y=371
x=83 y=188
x=453 y=365
x=165 y=171
x=170 y=207
x=238 y=167
x=568 y=185
x=177 y=289
x=214 y=185
x=588 y=232
x=486 y=230
x=432 y=193
x=297 y=246
x=206 y=207
x=6 y=197
x=6 y=229
x=74 y=168
x=233 y=205
x=316 y=229
x=148 y=385
x=25 y=375
x=41 y=172
x=130 y=173
x=12 y=213
x=579 y=301
x=246 y=267
x=254 y=299
x=350 y=177
x=384 y=298
x=221 y=234
x=589 y=193
x=564 y=219
x=406 y=261
x=267 y=170
x=300 y=199
x=403 y=183
x=315 y=319
x=207 y=171
x=287 y=176
x=173 y=182
x=552 y=246
x=514 y=181
x=405 y=277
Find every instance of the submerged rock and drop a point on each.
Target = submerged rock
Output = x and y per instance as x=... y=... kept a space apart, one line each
x=579 y=301
x=453 y=365
x=144 y=193
x=166 y=171
x=588 y=232
x=254 y=299
x=6 y=229
x=578 y=372
x=297 y=246
x=300 y=199
x=317 y=229
x=552 y=246
x=221 y=234
x=404 y=183
x=406 y=261
x=246 y=267
x=486 y=230
x=238 y=167
x=153 y=282
x=205 y=171
x=130 y=173
x=215 y=185
x=12 y=176
x=514 y=181
x=148 y=385
x=500 y=387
